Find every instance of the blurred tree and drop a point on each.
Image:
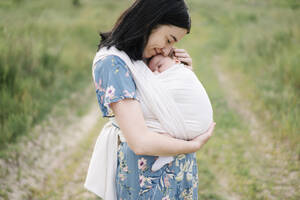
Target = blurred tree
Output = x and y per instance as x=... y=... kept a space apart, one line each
x=76 y=3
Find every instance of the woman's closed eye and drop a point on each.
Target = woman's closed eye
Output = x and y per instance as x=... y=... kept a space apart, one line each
x=169 y=40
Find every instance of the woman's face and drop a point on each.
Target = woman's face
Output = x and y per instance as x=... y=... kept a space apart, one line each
x=162 y=39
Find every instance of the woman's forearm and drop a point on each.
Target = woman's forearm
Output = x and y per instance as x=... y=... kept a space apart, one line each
x=140 y=139
x=156 y=144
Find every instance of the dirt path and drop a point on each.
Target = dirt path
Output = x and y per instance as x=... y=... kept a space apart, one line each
x=276 y=166
x=40 y=166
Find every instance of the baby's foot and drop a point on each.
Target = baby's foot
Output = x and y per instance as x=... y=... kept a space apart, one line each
x=161 y=161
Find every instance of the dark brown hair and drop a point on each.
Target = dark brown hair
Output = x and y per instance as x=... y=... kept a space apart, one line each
x=133 y=27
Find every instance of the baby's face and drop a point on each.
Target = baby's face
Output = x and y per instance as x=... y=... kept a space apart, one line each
x=160 y=63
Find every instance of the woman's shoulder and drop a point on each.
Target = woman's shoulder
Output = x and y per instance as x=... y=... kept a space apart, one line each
x=110 y=60
x=113 y=82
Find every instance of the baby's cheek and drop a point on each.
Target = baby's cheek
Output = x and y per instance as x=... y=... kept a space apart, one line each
x=152 y=68
x=163 y=68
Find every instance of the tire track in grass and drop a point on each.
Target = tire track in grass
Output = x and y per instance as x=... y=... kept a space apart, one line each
x=214 y=180
x=275 y=170
x=67 y=182
x=37 y=165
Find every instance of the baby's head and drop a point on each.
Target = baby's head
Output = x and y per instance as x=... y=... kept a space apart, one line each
x=160 y=63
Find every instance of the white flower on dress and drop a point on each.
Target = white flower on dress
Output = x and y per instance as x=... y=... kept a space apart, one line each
x=166 y=198
x=189 y=175
x=142 y=163
x=166 y=181
x=142 y=180
x=195 y=183
x=110 y=92
x=187 y=194
x=179 y=176
x=128 y=94
x=116 y=70
x=98 y=86
x=122 y=177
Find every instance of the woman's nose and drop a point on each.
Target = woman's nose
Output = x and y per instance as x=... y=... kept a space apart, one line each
x=166 y=51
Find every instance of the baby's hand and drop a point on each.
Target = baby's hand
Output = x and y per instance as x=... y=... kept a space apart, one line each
x=184 y=57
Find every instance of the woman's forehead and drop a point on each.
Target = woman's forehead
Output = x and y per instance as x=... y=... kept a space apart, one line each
x=174 y=31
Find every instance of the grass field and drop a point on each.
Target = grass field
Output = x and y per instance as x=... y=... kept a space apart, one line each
x=46 y=52
x=245 y=52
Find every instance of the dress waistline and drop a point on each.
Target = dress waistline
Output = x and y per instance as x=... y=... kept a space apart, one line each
x=121 y=137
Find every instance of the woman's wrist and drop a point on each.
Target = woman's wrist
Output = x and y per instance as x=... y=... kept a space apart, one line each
x=195 y=145
x=157 y=144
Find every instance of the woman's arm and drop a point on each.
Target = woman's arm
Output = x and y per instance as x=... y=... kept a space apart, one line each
x=141 y=140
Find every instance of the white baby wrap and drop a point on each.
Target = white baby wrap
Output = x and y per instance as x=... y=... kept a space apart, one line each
x=173 y=101
x=192 y=100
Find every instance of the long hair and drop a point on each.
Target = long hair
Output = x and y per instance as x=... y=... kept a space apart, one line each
x=132 y=29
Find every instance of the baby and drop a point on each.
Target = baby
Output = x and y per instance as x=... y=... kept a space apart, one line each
x=160 y=63
x=189 y=95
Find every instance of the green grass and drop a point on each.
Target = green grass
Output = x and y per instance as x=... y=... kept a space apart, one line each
x=46 y=54
x=47 y=48
x=55 y=184
x=257 y=42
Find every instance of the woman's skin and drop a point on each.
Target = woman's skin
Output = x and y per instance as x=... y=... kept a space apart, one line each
x=129 y=115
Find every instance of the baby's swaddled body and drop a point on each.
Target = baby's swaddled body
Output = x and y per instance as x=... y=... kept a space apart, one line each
x=190 y=96
x=188 y=93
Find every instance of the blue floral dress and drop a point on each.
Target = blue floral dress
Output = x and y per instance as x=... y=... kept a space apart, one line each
x=177 y=180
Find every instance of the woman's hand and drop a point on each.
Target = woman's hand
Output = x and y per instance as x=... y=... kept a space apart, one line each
x=184 y=57
x=203 y=138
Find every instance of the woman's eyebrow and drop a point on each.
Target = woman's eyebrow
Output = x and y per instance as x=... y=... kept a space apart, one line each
x=174 y=37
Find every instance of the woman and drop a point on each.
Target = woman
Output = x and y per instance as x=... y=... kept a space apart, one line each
x=147 y=28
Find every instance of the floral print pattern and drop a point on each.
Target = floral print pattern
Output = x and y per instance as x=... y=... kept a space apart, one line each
x=113 y=82
x=177 y=180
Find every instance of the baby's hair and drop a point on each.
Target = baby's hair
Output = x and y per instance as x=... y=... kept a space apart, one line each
x=146 y=16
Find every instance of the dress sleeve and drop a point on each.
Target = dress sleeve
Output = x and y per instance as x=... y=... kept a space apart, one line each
x=113 y=82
